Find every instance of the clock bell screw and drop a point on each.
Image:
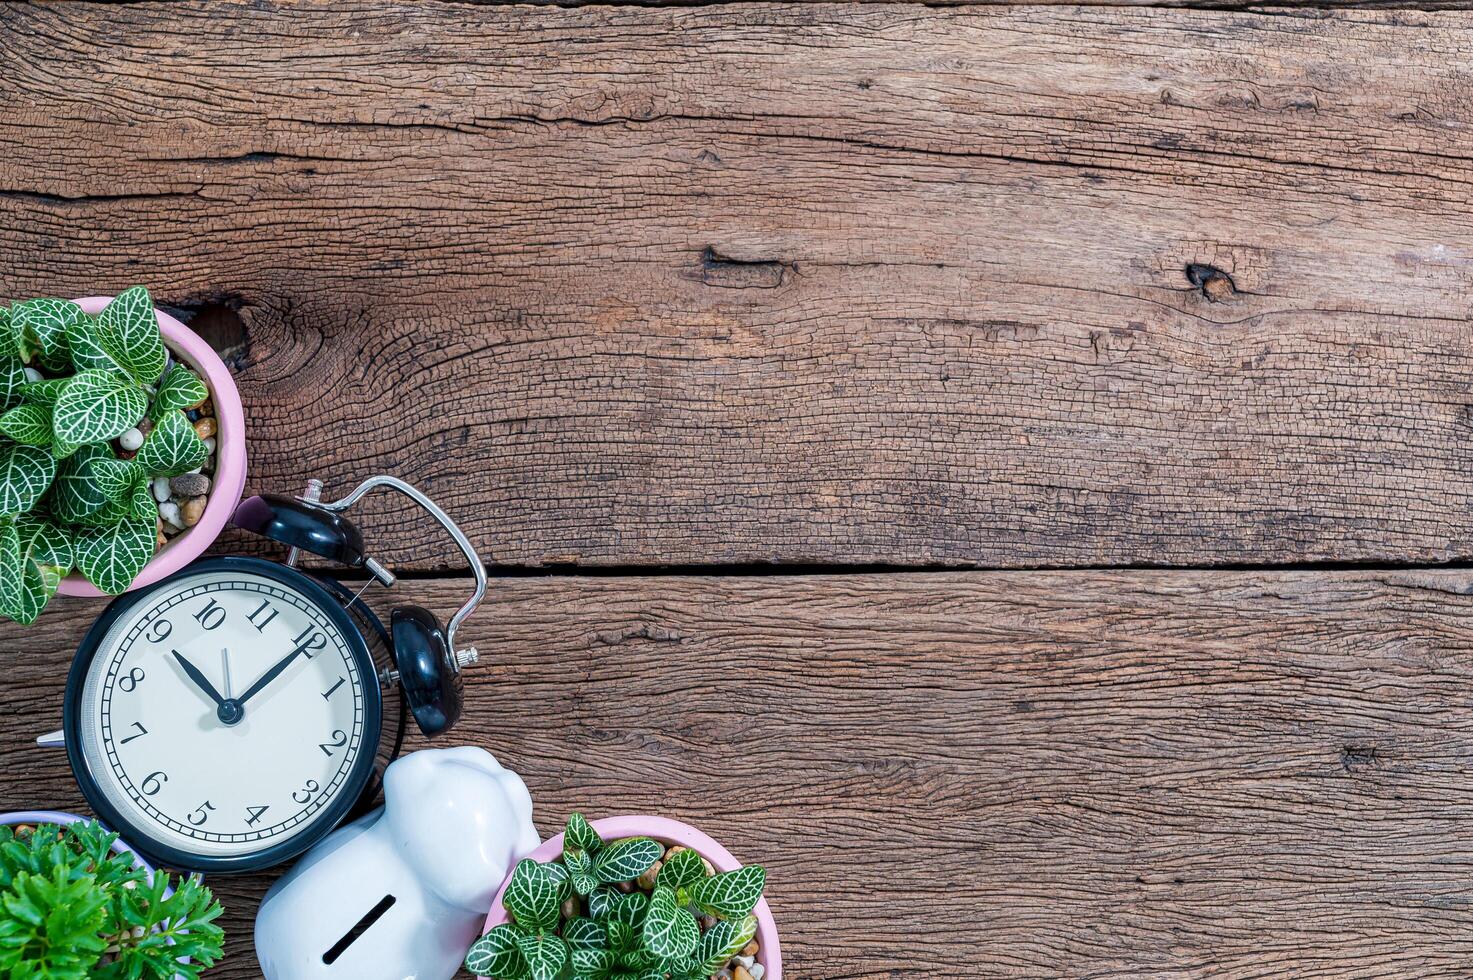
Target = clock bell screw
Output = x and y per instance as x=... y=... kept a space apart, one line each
x=311 y=495
x=463 y=658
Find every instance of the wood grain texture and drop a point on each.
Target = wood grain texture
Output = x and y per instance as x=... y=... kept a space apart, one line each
x=794 y=283
x=1150 y=774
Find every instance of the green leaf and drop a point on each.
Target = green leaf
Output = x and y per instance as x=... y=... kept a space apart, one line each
x=42 y=328
x=625 y=860
x=43 y=392
x=580 y=872
x=532 y=897
x=721 y=942
x=620 y=936
x=28 y=424
x=732 y=894
x=669 y=932
x=546 y=955
x=583 y=933
x=12 y=381
x=602 y=901
x=112 y=557
x=593 y=964
x=580 y=835
x=559 y=874
x=630 y=910
x=117 y=478
x=11 y=571
x=172 y=447
x=96 y=406
x=75 y=496
x=681 y=870
x=496 y=955
x=180 y=389
x=44 y=553
x=25 y=474
x=126 y=337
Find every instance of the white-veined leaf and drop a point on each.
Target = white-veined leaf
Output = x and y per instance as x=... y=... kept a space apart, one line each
x=45 y=557
x=721 y=942
x=43 y=392
x=669 y=932
x=630 y=910
x=172 y=447
x=180 y=389
x=75 y=495
x=732 y=893
x=601 y=901
x=625 y=860
x=117 y=478
x=496 y=955
x=28 y=424
x=25 y=474
x=42 y=327
x=619 y=936
x=96 y=406
x=580 y=872
x=532 y=897
x=128 y=334
x=681 y=870
x=580 y=835
x=10 y=570
x=583 y=933
x=12 y=381
x=559 y=875
x=111 y=557
x=546 y=955
x=592 y=964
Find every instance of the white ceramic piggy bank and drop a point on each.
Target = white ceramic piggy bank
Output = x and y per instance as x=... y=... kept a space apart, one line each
x=402 y=893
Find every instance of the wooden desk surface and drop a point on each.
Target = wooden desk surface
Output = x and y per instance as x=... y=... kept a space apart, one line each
x=1006 y=468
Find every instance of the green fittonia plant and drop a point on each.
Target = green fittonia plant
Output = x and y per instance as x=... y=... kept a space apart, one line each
x=70 y=384
x=572 y=918
x=72 y=909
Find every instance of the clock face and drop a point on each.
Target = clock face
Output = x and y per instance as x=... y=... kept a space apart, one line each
x=227 y=712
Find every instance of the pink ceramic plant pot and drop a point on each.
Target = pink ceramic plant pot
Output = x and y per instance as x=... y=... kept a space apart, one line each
x=666 y=832
x=228 y=481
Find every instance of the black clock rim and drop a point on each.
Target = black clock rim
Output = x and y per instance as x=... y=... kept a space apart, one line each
x=162 y=854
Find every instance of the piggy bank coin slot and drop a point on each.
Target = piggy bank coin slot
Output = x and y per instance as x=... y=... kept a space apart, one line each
x=359 y=928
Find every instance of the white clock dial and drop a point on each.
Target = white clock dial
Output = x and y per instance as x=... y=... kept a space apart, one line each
x=223 y=713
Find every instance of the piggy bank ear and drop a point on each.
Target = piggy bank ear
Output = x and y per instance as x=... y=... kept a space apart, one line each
x=460 y=820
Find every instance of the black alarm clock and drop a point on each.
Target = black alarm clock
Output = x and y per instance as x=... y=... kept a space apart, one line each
x=226 y=718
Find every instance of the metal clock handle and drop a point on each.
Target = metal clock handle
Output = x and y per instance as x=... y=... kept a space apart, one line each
x=460 y=657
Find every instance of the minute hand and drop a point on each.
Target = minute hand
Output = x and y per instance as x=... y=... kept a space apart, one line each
x=269 y=676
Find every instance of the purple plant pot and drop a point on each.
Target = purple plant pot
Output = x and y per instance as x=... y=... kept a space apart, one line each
x=667 y=832
x=230 y=456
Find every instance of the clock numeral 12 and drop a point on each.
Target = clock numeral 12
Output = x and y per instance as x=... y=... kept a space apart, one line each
x=308 y=641
x=254 y=814
x=211 y=616
x=200 y=812
x=259 y=619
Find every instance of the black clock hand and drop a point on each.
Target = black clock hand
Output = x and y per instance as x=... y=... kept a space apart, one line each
x=269 y=676
x=200 y=680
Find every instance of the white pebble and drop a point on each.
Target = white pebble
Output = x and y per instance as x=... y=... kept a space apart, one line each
x=210 y=445
x=131 y=440
x=197 y=469
x=161 y=489
x=33 y=375
x=745 y=961
x=169 y=511
x=757 y=970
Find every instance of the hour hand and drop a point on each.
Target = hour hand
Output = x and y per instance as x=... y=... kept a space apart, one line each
x=200 y=680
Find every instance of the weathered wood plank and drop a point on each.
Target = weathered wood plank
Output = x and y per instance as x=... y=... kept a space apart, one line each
x=1013 y=774
x=795 y=283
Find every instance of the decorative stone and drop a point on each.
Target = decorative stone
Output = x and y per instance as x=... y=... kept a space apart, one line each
x=169 y=511
x=161 y=491
x=646 y=881
x=204 y=428
x=741 y=973
x=192 y=511
x=189 y=485
x=33 y=375
x=570 y=908
x=757 y=971
x=131 y=440
x=751 y=948
x=210 y=445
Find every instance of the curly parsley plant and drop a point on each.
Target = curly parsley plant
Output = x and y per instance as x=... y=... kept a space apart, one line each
x=71 y=384
x=71 y=909
x=604 y=911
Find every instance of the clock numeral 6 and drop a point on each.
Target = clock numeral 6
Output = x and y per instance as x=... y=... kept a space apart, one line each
x=129 y=681
x=305 y=793
x=211 y=616
x=153 y=782
x=339 y=739
x=160 y=630
x=253 y=813
x=201 y=812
